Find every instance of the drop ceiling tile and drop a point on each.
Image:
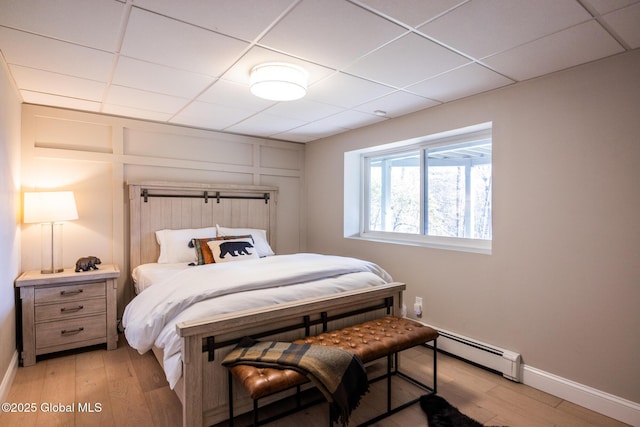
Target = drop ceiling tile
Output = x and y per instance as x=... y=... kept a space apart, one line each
x=92 y=23
x=245 y=19
x=349 y=119
x=241 y=71
x=464 y=81
x=294 y=137
x=411 y=12
x=311 y=131
x=334 y=39
x=157 y=78
x=606 y=6
x=124 y=111
x=482 y=28
x=405 y=61
x=154 y=38
x=47 y=54
x=135 y=98
x=397 y=104
x=234 y=95
x=304 y=110
x=264 y=124
x=346 y=91
x=211 y=116
x=59 y=101
x=47 y=82
x=576 y=45
x=626 y=23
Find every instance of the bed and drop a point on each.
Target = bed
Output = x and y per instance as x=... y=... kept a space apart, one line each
x=191 y=309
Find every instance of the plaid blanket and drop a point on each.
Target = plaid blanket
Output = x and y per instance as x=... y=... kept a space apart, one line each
x=338 y=374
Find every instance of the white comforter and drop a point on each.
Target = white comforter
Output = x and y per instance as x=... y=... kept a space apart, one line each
x=207 y=290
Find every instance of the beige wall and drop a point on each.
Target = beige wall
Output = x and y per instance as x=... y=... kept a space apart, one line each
x=94 y=155
x=9 y=215
x=562 y=286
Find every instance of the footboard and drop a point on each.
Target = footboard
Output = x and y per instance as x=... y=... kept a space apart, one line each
x=204 y=389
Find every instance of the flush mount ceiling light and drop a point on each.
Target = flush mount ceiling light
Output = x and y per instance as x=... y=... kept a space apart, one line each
x=278 y=81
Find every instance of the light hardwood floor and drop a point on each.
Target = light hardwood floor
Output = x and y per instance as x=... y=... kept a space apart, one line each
x=132 y=391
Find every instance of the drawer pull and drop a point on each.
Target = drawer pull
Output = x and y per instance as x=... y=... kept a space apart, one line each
x=68 y=293
x=71 y=331
x=71 y=309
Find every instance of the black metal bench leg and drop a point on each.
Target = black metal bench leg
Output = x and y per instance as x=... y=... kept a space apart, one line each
x=389 y=363
x=255 y=413
x=230 y=399
x=435 y=365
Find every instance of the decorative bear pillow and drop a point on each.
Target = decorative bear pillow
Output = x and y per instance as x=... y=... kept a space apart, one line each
x=230 y=250
x=259 y=237
x=203 y=251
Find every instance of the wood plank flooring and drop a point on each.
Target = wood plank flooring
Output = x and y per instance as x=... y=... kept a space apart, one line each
x=124 y=388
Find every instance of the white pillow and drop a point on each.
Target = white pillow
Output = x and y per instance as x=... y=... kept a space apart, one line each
x=174 y=244
x=233 y=250
x=259 y=238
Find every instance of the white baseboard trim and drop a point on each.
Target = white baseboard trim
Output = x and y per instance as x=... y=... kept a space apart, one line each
x=596 y=400
x=7 y=380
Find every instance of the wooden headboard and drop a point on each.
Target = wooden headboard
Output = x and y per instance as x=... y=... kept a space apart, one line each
x=170 y=205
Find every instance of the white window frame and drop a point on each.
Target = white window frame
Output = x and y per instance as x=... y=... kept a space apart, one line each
x=356 y=183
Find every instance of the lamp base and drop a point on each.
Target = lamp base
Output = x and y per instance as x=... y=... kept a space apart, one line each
x=51 y=271
x=51 y=259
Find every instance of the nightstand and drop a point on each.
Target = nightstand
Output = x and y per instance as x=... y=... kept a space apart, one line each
x=67 y=310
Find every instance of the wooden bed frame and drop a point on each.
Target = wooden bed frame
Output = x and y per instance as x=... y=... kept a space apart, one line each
x=203 y=388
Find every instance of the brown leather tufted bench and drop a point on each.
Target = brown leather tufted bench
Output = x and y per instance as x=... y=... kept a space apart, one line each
x=370 y=340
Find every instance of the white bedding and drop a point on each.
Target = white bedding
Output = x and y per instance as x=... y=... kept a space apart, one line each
x=191 y=293
x=146 y=275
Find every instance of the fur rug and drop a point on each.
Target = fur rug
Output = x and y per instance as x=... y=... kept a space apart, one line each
x=441 y=414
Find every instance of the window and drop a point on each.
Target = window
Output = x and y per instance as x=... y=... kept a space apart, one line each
x=434 y=191
x=394 y=192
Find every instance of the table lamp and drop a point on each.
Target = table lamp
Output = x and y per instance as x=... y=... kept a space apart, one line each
x=49 y=208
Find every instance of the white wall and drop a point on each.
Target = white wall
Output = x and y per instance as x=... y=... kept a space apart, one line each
x=9 y=220
x=562 y=285
x=94 y=155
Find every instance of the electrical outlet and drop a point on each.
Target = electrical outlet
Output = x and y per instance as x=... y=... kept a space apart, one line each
x=417 y=307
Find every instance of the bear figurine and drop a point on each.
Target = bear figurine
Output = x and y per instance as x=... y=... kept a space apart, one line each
x=87 y=263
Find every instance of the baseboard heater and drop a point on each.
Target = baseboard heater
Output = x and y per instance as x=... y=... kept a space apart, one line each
x=506 y=362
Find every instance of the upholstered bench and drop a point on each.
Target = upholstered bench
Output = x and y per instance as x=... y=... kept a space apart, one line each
x=370 y=340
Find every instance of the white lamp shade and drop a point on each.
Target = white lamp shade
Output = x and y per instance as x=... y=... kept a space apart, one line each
x=278 y=81
x=49 y=206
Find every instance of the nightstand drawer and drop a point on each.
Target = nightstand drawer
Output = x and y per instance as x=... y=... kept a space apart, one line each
x=69 y=292
x=50 y=334
x=70 y=309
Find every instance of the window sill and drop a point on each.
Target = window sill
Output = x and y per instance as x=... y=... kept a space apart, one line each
x=445 y=243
